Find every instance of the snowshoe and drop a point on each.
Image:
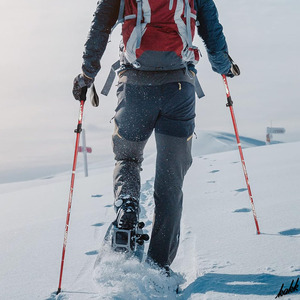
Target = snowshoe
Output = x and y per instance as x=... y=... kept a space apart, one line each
x=129 y=241
x=125 y=234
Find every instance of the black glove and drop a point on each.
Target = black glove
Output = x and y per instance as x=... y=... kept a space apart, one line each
x=81 y=83
x=234 y=69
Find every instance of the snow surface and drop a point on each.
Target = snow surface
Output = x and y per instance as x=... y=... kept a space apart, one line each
x=220 y=254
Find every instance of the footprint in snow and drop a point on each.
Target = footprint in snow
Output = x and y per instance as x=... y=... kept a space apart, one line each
x=242 y=210
x=96 y=196
x=294 y=268
x=98 y=224
x=94 y=252
x=293 y=231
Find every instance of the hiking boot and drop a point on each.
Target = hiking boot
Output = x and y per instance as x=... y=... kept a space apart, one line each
x=127 y=213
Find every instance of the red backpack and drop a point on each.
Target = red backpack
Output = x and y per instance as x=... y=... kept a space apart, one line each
x=158 y=34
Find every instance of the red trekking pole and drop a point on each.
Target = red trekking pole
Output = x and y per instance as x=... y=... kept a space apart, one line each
x=77 y=131
x=229 y=104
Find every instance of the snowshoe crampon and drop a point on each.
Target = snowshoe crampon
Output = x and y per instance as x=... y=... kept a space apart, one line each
x=129 y=241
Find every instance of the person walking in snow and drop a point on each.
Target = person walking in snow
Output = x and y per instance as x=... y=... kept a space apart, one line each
x=156 y=91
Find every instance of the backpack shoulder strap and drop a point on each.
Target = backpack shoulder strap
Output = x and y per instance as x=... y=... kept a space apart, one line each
x=121 y=14
x=138 y=23
x=188 y=15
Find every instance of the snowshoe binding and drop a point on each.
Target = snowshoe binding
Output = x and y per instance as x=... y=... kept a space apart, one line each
x=127 y=213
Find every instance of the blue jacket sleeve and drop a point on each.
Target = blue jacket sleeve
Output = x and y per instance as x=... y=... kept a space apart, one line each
x=105 y=17
x=211 y=31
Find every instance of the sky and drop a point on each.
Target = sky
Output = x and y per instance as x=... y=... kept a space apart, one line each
x=40 y=54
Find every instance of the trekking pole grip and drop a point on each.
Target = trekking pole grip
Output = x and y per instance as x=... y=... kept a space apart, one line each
x=79 y=124
x=229 y=100
x=83 y=93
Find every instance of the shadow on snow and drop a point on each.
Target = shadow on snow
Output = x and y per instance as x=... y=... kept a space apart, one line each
x=247 y=284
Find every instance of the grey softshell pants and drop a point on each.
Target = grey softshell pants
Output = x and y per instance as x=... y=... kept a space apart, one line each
x=170 y=110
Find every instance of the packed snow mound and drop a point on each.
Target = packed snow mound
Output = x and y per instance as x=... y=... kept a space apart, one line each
x=116 y=277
